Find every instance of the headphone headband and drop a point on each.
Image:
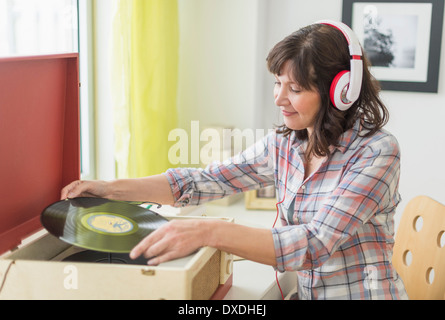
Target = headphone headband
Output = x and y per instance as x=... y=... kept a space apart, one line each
x=346 y=87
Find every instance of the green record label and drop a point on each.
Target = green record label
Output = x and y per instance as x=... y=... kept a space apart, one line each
x=106 y=223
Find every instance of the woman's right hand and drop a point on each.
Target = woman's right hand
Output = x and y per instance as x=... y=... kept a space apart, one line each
x=76 y=189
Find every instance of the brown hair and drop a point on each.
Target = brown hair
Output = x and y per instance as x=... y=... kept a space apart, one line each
x=317 y=53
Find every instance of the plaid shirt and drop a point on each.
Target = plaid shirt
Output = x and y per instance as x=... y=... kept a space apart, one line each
x=338 y=228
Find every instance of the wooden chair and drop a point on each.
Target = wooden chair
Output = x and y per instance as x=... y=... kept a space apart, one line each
x=419 y=250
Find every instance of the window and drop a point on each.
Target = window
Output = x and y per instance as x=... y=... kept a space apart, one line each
x=43 y=27
x=29 y=27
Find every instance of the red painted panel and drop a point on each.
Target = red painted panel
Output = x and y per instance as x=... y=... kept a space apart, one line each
x=39 y=139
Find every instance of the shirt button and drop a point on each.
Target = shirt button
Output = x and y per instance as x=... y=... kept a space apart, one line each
x=303 y=187
x=185 y=202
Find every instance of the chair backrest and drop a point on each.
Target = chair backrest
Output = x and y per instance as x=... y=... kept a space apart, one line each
x=419 y=250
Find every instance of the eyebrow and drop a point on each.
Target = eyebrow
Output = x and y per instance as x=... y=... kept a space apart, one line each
x=291 y=81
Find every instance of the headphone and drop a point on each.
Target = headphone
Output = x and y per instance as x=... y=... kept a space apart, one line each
x=346 y=86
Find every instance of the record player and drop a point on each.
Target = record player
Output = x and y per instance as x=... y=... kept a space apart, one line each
x=40 y=146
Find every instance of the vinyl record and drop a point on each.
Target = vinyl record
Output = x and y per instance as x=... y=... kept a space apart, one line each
x=100 y=224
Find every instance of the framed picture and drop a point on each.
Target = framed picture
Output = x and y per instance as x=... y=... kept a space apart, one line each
x=263 y=199
x=401 y=38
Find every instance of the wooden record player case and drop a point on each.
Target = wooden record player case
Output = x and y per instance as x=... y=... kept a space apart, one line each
x=40 y=147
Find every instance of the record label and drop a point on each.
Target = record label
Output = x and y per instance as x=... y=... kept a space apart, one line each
x=109 y=223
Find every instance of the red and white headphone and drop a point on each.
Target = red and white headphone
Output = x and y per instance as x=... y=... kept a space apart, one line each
x=346 y=86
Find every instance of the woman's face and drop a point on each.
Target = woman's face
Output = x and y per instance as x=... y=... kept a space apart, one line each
x=298 y=106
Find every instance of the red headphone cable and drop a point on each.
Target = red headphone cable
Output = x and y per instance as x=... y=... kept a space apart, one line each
x=278 y=211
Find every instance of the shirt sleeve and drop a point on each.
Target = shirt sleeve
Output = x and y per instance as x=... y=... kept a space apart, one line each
x=369 y=185
x=249 y=170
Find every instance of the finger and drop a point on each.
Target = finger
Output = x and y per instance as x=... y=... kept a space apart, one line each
x=146 y=243
x=162 y=258
x=69 y=190
x=157 y=249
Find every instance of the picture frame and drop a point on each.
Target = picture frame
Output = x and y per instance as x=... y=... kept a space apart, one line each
x=263 y=199
x=402 y=38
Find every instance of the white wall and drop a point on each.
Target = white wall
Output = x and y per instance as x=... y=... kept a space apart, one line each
x=223 y=80
x=217 y=62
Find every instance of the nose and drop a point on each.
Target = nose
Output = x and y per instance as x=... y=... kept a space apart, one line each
x=280 y=95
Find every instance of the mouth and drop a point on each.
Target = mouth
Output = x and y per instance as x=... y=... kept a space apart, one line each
x=288 y=114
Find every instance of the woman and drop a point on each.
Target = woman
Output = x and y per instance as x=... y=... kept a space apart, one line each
x=335 y=169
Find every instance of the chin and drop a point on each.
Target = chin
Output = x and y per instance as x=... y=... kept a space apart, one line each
x=293 y=126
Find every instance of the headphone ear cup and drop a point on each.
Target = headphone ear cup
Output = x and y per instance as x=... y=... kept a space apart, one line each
x=339 y=87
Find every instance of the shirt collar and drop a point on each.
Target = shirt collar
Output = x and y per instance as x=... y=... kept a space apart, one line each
x=344 y=142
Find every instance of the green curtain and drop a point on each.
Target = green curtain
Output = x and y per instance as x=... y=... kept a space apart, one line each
x=144 y=84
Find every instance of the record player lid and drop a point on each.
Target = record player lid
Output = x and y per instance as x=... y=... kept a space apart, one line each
x=39 y=139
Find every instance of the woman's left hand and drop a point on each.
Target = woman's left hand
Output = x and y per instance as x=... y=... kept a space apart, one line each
x=176 y=239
